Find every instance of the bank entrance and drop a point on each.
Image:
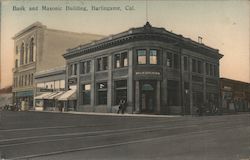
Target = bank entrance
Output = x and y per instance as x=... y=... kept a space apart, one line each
x=148 y=96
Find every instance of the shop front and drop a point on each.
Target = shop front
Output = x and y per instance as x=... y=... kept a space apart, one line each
x=24 y=99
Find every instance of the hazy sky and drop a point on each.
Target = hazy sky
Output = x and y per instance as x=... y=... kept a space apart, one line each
x=223 y=24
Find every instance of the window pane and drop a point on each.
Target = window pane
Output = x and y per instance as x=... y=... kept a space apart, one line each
x=207 y=68
x=185 y=63
x=102 y=85
x=124 y=59
x=86 y=97
x=102 y=97
x=176 y=61
x=211 y=69
x=99 y=63
x=120 y=84
x=141 y=57
x=169 y=59
x=193 y=65
x=153 y=57
x=199 y=66
x=105 y=63
x=86 y=87
x=82 y=67
x=88 y=67
x=117 y=61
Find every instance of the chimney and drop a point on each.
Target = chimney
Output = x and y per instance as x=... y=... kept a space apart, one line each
x=200 y=39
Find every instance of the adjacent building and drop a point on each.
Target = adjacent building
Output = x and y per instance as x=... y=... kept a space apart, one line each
x=37 y=51
x=152 y=69
x=235 y=95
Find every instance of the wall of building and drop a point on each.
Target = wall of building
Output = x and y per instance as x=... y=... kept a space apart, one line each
x=55 y=43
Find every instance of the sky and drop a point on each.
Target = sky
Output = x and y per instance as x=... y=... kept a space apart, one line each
x=223 y=24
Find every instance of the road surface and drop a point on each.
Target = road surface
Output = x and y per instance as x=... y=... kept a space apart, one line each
x=52 y=136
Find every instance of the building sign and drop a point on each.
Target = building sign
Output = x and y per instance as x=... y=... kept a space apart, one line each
x=72 y=81
x=147 y=73
x=24 y=94
x=46 y=90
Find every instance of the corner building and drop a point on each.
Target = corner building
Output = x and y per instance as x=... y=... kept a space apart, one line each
x=154 y=70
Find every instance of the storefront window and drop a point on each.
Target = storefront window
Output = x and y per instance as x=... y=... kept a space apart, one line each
x=173 y=93
x=86 y=90
x=141 y=57
x=102 y=93
x=120 y=91
x=153 y=57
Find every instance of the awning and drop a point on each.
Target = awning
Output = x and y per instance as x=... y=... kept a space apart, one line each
x=42 y=95
x=54 y=95
x=68 y=95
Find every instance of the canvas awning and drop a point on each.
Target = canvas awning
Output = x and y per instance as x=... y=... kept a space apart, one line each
x=42 y=95
x=68 y=95
x=54 y=95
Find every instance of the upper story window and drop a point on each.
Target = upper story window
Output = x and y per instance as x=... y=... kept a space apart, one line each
x=32 y=50
x=173 y=60
x=199 y=67
x=207 y=69
x=73 y=69
x=194 y=65
x=176 y=61
x=121 y=60
x=169 y=59
x=22 y=54
x=85 y=67
x=102 y=63
x=16 y=63
x=141 y=56
x=26 y=54
x=153 y=57
x=16 y=49
x=185 y=59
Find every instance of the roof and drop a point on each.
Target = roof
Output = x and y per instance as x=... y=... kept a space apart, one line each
x=140 y=33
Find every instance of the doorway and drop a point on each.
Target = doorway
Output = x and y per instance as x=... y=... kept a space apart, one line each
x=148 y=96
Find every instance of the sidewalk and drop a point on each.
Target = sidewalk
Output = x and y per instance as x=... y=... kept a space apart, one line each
x=112 y=114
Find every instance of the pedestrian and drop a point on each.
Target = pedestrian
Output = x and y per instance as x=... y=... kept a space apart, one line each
x=120 y=106
x=124 y=106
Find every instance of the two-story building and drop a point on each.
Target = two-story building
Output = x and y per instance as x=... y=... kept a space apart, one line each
x=152 y=69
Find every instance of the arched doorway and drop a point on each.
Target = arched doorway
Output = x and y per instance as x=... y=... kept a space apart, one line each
x=148 y=96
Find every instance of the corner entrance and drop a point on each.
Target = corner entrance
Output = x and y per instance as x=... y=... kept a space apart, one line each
x=148 y=96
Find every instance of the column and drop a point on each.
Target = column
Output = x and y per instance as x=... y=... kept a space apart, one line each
x=158 y=97
x=137 y=96
x=78 y=100
x=190 y=86
x=130 y=89
x=92 y=95
x=164 y=104
x=110 y=84
x=204 y=82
